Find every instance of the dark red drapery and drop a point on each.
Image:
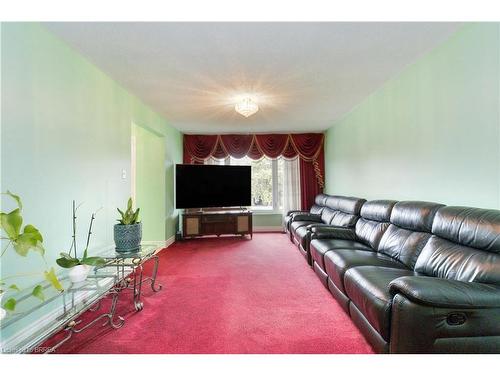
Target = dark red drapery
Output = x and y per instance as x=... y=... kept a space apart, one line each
x=308 y=147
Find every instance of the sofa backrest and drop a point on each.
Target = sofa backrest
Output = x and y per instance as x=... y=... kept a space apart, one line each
x=342 y=211
x=319 y=204
x=465 y=246
x=409 y=231
x=374 y=221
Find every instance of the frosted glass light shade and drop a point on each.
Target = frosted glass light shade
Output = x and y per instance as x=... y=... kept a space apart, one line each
x=246 y=107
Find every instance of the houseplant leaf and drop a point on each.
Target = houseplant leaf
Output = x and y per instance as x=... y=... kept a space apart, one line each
x=67 y=263
x=51 y=277
x=38 y=292
x=14 y=287
x=39 y=249
x=10 y=304
x=136 y=216
x=11 y=223
x=93 y=261
x=16 y=198
x=122 y=215
x=34 y=232
x=25 y=242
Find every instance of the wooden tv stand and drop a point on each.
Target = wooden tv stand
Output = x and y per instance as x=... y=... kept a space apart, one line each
x=208 y=222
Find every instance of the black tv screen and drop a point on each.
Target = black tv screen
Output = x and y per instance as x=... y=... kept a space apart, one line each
x=200 y=186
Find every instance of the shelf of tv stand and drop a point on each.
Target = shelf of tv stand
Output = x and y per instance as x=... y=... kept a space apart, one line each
x=208 y=222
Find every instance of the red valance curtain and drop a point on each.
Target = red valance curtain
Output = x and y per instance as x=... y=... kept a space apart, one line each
x=308 y=147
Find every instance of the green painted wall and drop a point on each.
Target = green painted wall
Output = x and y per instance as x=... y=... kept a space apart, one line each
x=150 y=181
x=156 y=156
x=430 y=133
x=66 y=134
x=267 y=220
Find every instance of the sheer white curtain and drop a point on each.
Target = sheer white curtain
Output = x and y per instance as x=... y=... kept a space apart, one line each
x=213 y=161
x=291 y=185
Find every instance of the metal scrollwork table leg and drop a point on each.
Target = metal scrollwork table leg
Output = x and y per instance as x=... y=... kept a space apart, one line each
x=153 y=276
x=71 y=328
x=138 y=288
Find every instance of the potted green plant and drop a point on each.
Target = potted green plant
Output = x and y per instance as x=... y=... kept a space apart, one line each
x=128 y=232
x=79 y=267
x=22 y=240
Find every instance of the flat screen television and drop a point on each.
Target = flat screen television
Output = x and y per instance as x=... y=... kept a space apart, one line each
x=204 y=186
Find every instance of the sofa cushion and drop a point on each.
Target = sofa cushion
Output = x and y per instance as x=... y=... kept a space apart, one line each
x=473 y=227
x=465 y=246
x=300 y=235
x=341 y=219
x=348 y=205
x=414 y=215
x=377 y=210
x=316 y=210
x=318 y=248
x=320 y=199
x=338 y=261
x=370 y=232
x=368 y=289
x=374 y=221
x=297 y=224
x=327 y=215
x=402 y=244
x=446 y=259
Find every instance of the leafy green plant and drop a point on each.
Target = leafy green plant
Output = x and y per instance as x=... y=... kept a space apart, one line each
x=130 y=216
x=23 y=239
x=67 y=260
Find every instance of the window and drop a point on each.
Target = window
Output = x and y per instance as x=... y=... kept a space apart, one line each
x=267 y=181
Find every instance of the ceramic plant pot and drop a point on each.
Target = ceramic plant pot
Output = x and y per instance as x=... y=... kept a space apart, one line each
x=79 y=273
x=127 y=237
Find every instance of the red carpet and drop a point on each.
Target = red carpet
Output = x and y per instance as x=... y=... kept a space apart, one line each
x=229 y=295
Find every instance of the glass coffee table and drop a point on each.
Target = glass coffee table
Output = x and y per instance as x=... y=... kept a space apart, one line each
x=34 y=321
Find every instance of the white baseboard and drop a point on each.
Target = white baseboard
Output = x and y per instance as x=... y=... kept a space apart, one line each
x=277 y=228
x=170 y=241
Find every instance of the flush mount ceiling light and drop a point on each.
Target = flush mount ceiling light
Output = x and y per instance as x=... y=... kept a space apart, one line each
x=246 y=107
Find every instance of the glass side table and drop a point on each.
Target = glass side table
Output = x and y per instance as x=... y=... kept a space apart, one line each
x=129 y=267
x=34 y=321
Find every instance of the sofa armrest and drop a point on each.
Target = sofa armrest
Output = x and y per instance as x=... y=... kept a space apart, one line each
x=329 y=231
x=438 y=292
x=291 y=212
x=306 y=217
x=315 y=225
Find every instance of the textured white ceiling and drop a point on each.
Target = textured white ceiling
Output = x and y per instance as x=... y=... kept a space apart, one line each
x=305 y=76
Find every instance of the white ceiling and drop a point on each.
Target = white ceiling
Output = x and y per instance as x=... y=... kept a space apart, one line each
x=305 y=76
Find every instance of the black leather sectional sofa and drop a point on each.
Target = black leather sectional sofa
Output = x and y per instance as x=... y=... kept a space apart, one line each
x=415 y=277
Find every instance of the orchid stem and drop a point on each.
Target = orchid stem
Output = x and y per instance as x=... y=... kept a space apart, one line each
x=74 y=229
x=90 y=230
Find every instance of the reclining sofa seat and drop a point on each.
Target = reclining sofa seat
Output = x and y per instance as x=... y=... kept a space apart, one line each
x=365 y=285
x=454 y=305
x=316 y=210
x=369 y=229
x=340 y=212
